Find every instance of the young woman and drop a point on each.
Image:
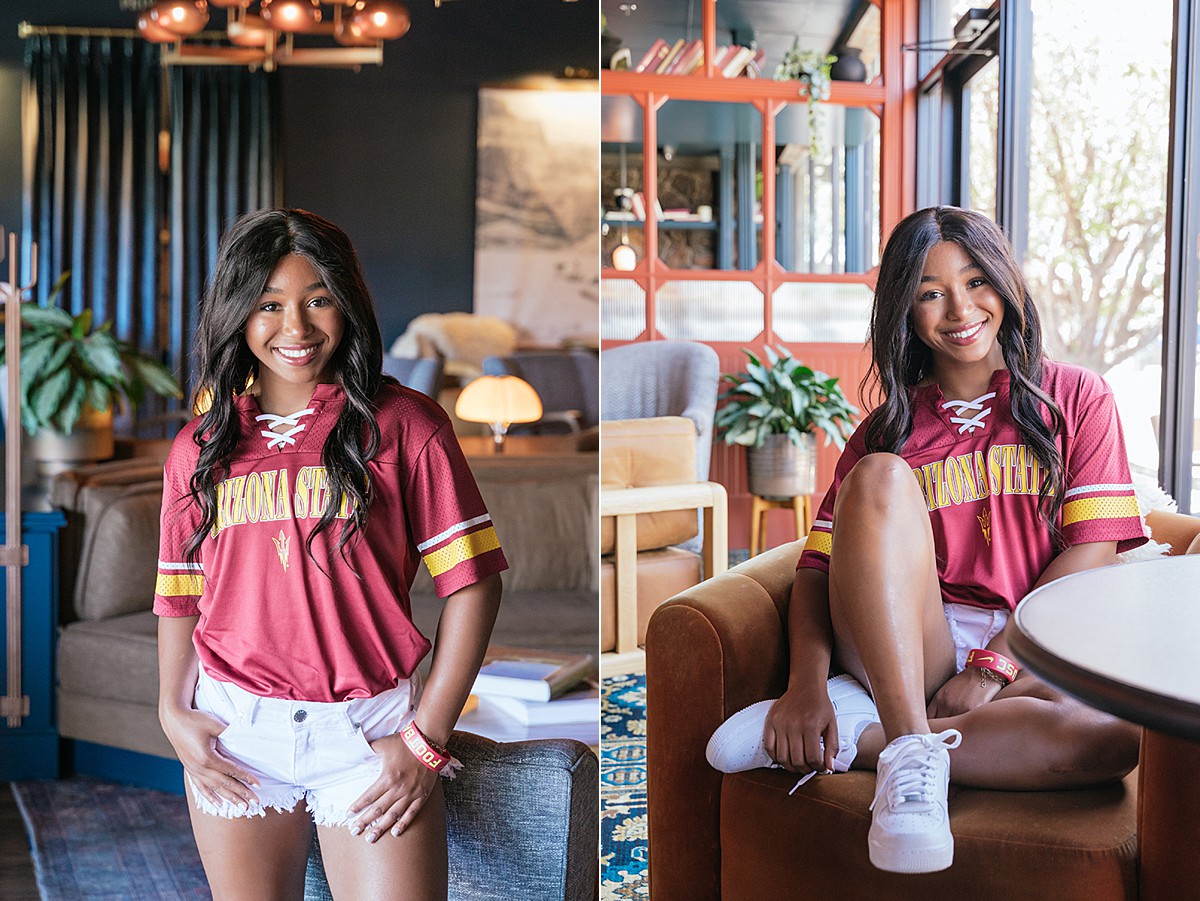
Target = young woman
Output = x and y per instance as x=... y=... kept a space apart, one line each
x=295 y=513
x=987 y=470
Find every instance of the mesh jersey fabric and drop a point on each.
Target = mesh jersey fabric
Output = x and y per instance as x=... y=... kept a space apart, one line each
x=980 y=483
x=271 y=621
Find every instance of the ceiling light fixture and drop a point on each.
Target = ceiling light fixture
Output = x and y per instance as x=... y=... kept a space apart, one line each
x=261 y=35
x=624 y=257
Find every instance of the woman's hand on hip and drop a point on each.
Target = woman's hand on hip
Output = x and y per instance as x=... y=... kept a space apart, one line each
x=393 y=800
x=962 y=693
x=193 y=734
x=796 y=726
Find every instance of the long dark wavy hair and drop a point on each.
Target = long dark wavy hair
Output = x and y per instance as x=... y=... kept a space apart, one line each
x=248 y=254
x=899 y=359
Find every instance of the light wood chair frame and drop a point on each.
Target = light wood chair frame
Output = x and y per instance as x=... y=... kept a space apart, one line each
x=624 y=505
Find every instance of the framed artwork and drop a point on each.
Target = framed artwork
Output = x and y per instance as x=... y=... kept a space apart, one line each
x=536 y=208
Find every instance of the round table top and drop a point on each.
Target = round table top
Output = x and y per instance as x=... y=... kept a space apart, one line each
x=1124 y=638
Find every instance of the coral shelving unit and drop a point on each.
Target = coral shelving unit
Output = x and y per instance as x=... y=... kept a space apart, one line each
x=637 y=294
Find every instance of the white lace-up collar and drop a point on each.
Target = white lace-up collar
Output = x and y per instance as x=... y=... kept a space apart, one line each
x=282 y=439
x=971 y=413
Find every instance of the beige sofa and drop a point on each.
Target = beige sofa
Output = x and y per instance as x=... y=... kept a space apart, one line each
x=545 y=510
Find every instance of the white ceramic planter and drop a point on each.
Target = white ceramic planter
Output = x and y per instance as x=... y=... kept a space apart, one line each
x=782 y=469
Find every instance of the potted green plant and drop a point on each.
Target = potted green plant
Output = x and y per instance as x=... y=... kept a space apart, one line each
x=773 y=411
x=811 y=69
x=71 y=375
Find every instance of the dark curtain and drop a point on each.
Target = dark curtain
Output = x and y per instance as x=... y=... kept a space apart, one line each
x=224 y=162
x=93 y=192
x=139 y=242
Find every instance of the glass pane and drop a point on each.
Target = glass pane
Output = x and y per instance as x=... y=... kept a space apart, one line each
x=827 y=203
x=623 y=312
x=709 y=185
x=865 y=40
x=929 y=144
x=833 y=312
x=709 y=311
x=1097 y=198
x=982 y=99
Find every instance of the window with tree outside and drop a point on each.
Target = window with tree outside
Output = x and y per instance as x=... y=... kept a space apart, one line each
x=1099 y=128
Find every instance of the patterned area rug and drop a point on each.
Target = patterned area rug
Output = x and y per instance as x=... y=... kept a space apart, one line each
x=95 y=840
x=623 y=789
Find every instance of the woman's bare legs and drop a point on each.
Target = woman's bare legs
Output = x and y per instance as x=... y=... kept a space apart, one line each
x=1030 y=737
x=253 y=858
x=885 y=603
x=412 y=866
x=891 y=634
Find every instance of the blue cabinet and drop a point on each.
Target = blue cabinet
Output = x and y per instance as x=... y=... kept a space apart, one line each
x=30 y=751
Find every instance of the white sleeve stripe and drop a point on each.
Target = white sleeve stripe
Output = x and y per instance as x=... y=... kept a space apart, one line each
x=822 y=523
x=1087 y=489
x=191 y=567
x=462 y=526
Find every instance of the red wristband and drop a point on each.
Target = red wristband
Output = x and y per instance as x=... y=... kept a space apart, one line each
x=423 y=749
x=1002 y=666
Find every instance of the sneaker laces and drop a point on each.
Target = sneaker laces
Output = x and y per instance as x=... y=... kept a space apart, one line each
x=282 y=439
x=839 y=766
x=812 y=773
x=915 y=767
x=975 y=407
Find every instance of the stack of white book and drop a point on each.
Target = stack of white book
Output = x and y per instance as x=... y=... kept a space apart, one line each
x=526 y=694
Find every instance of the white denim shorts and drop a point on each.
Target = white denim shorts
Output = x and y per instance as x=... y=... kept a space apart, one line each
x=314 y=751
x=971 y=627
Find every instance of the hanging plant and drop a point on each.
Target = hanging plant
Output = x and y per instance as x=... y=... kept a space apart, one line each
x=811 y=69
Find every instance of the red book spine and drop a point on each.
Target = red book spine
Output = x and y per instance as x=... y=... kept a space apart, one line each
x=653 y=56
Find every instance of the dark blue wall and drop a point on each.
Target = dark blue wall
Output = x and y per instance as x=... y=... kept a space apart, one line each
x=387 y=153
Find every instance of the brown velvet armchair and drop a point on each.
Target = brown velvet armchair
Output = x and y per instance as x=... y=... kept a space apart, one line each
x=720 y=646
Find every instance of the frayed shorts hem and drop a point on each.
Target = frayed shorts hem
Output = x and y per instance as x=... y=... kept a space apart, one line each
x=322 y=814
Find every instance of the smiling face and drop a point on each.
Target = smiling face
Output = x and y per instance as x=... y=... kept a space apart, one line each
x=293 y=331
x=957 y=315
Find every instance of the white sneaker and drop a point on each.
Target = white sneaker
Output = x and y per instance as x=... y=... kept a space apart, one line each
x=738 y=744
x=910 y=826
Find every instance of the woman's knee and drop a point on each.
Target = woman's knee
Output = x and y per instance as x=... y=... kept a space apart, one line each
x=881 y=482
x=1094 y=747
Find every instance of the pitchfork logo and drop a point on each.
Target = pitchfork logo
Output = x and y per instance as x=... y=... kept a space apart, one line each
x=985 y=523
x=283 y=544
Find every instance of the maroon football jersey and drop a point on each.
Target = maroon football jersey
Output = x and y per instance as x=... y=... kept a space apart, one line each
x=981 y=482
x=271 y=621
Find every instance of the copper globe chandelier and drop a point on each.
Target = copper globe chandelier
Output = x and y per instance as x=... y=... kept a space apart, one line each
x=261 y=33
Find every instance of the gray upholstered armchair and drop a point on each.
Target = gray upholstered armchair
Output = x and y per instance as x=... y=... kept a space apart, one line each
x=664 y=378
x=521 y=822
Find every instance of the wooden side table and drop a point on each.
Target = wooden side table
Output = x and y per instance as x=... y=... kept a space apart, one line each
x=800 y=505
x=1121 y=638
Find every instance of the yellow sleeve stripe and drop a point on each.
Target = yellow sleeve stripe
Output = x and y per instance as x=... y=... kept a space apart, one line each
x=446 y=558
x=819 y=542
x=179 y=586
x=1099 y=508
